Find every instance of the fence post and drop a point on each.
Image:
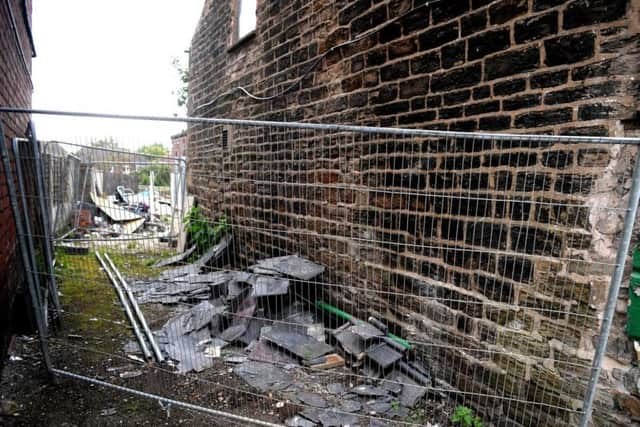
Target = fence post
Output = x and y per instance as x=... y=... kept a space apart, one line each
x=33 y=292
x=614 y=288
x=46 y=223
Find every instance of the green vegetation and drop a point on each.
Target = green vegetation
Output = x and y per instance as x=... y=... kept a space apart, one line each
x=183 y=91
x=162 y=171
x=91 y=307
x=201 y=231
x=465 y=417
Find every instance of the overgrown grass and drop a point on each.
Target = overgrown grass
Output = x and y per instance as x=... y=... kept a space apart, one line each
x=90 y=303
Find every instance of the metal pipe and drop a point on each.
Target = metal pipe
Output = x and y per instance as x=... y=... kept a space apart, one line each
x=166 y=400
x=127 y=309
x=46 y=222
x=37 y=308
x=614 y=288
x=335 y=128
x=136 y=309
x=31 y=251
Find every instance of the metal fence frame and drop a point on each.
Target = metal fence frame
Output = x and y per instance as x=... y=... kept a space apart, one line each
x=36 y=297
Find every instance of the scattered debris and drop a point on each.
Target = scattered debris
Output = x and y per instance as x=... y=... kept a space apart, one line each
x=258 y=312
x=194 y=268
x=176 y=258
x=264 y=376
x=108 y=412
x=130 y=374
x=291 y=265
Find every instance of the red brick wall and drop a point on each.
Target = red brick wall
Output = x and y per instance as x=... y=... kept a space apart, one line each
x=15 y=90
x=535 y=66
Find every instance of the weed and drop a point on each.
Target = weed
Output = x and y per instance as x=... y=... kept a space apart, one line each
x=201 y=231
x=465 y=417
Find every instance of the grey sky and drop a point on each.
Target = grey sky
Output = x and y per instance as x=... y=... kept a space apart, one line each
x=110 y=56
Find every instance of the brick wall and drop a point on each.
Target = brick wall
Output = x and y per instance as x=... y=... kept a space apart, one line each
x=537 y=66
x=15 y=90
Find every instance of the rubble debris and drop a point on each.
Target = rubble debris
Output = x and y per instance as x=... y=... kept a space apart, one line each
x=311 y=399
x=411 y=392
x=196 y=318
x=176 y=258
x=349 y=405
x=350 y=342
x=261 y=351
x=266 y=285
x=301 y=346
x=212 y=254
x=236 y=307
x=330 y=417
x=264 y=376
x=383 y=355
x=114 y=211
x=289 y=265
x=189 y=355
x=368 y=391
x=130 y=374
x=335 y=388
x=236 y=359
x=298 y=421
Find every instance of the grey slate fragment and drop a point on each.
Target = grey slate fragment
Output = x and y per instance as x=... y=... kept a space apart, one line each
x=368 y=391
x=264 y=376
x=262 y=352
x=366 y=331
x=232 y=333
x=254 y=327
x=185 y=350
x=335 y=388
x=302 y=346
x=236 y=359
x=298 y=421
x=312 y=399
x=383 y=355
x=392 y=387
x=196 y=318
x=194 y=268
x=377 y=406
x=176 y=258
x=291 y=265
x=330 y=417
x=411 y=391
x=375 y=422
x=350 y=342
x=349 y=405
x=266 y=285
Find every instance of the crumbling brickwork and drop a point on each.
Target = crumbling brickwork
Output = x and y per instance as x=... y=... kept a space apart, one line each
x=15 y=90
x=524 y=66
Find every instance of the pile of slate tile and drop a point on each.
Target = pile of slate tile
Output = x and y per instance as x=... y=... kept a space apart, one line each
x=231 y=316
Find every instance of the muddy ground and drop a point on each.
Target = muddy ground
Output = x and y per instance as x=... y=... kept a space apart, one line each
x=90 y=341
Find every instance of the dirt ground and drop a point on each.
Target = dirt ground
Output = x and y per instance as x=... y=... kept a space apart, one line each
x=90 y=342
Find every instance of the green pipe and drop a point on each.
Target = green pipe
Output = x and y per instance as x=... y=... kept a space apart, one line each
x=346 y=316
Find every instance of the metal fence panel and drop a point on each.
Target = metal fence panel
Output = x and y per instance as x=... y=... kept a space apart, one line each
x=350 y=274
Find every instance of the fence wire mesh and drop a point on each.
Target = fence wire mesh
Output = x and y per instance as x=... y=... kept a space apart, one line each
x=339 y=277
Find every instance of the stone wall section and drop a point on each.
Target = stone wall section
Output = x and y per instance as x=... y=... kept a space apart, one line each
x=15 y=90
x=482 y=250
